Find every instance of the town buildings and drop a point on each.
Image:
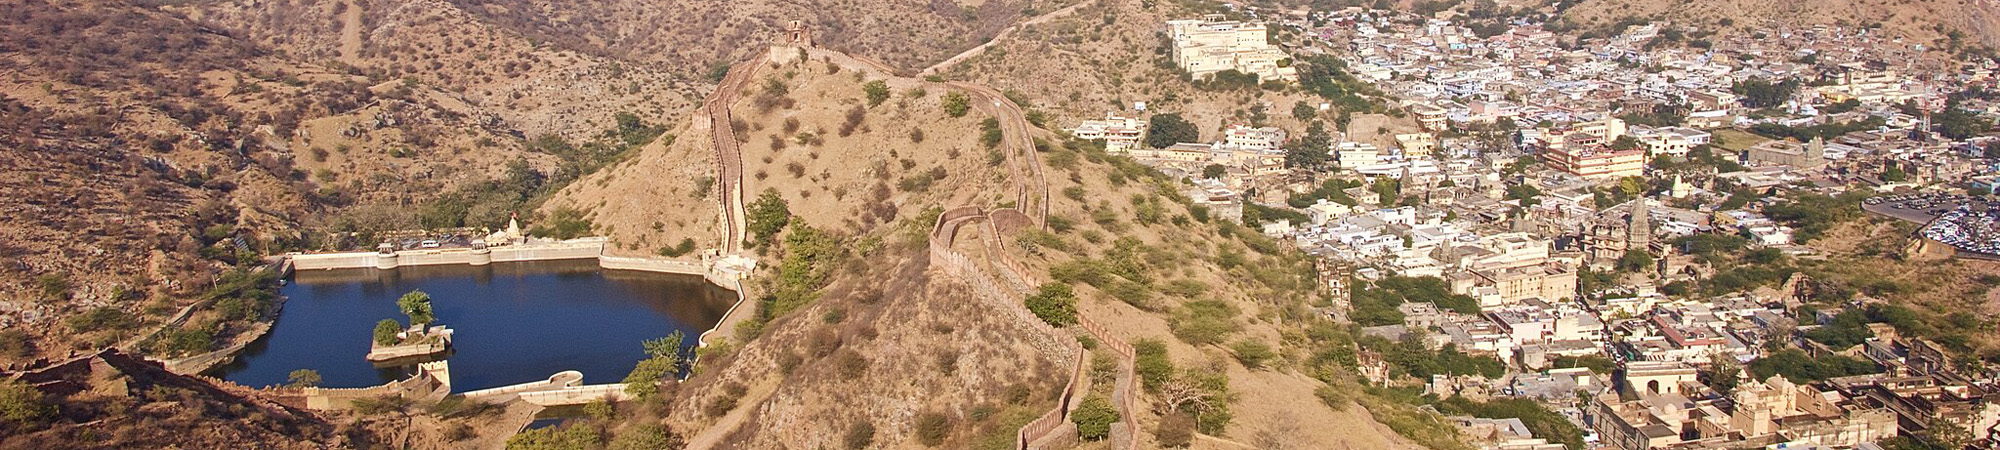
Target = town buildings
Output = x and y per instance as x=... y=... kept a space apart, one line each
x=1212 y=44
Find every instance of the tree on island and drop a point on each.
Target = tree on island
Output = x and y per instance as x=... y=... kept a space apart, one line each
x=385 y=332
x=417 y=305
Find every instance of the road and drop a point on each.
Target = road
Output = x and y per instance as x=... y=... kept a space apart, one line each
x=1003 y=34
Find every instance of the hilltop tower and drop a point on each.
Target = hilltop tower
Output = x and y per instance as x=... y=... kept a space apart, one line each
x=797 y=35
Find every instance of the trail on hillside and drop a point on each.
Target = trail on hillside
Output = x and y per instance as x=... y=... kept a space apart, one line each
x=350 y=32
x=1003 y=34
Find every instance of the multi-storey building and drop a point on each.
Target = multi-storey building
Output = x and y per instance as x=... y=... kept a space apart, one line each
x=1213 y=44
x=1119 y=133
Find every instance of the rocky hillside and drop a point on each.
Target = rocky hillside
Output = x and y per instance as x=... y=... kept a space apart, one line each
x=855 y=314
x=114 y=400
x=1926 y=21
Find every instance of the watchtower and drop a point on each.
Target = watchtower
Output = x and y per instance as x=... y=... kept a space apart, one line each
x=797 y=35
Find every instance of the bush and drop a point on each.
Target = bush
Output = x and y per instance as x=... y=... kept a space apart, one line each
x=16 y=344
x=932 y=428
x=955 y=104
x=1252 y=353
x=767 y=216
x=1093 y=418
x=675 y=251
x=567 y=438
x=647 y=437
x=100 y=318
x=1204 y=322
x=23 y=404
x=459 y=432
x=1175 y=431
x=859 y=435
x=877 y=92
x=386 y=403
x=1151 y=363
x=1055 y=303
x=385 y=331
x=305 y=378
x=563 y=223
x=851 y=364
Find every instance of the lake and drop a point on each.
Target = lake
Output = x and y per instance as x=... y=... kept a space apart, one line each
x=512 y=322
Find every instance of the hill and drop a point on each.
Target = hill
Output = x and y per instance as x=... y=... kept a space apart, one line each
x=1925 y=21
x=115 y=400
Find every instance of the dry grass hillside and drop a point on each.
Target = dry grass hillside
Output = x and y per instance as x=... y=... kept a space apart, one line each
x=1151 y=268
x=697 y=35
x=116 y=400
x=1926 y=21
x=1108 y=54
x=808 y=132
x=492 y=74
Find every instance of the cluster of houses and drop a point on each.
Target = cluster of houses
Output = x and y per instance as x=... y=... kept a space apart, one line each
x=1614 y=149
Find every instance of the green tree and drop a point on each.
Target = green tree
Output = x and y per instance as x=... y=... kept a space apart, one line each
x=1635 y=261
x=1213 y=171
x=385 y=331
x=417 y=305
x=563 y=223
x=1094 y=417
x=1957 y=123
x=1054 y=303
x=1761 y=94
x=304 y=378
x=1623 y=143
x=877 y=92
x=956 y=104
x=1304 y=111
x=22 y=404
x=1312 y=151
x=1165 y=130
x=669 y=346
x=767 y=216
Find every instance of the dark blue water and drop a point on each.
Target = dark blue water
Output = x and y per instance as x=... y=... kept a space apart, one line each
x=512 y=322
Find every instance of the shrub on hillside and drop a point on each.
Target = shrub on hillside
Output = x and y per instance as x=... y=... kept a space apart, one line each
x=1055 y=303
x=932 y=428
x=1093 y=418
x=956 y=104
x=647 y=437
x=859 y=435
x=877 y=92
x=1152 y=364
x=1175 y=431
x=1251 y=353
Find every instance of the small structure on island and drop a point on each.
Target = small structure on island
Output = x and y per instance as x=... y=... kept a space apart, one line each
x=420 y=339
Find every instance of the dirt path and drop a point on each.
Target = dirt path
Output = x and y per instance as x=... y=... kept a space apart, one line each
x=350 y=33
x=713 y=435
x=1003 y=34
